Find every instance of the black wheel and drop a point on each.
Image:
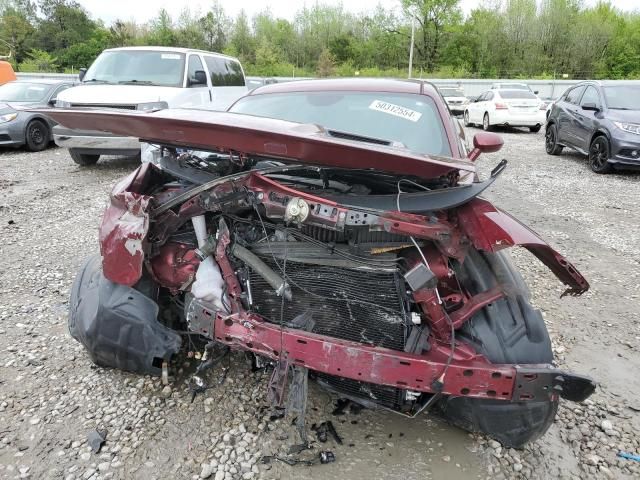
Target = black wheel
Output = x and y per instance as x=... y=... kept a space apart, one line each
x=83 y=159
x=509 y=330
x=535 y=129
x=551 y=140
x=486 y=125
x=466 y=118
x=599 y=155
x=37 y=135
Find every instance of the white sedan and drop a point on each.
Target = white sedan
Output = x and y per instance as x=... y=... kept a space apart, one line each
x=511 y=108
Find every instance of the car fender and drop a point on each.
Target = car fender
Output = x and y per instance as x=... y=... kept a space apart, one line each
x=490 y=229
x=124 y=228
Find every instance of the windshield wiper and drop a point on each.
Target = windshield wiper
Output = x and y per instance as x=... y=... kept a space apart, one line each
x=362 y=138
x=95 y=80
x=621 y=108
x=136 y=82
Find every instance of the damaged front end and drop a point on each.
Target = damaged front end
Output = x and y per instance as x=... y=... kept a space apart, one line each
x=387 y=286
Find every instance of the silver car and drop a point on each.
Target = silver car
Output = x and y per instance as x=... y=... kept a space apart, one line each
x=18 y=127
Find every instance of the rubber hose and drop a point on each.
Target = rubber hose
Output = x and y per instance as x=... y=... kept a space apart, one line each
x=262 y=269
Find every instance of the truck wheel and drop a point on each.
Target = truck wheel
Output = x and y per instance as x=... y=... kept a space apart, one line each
x=509 y=330
x=83 y=159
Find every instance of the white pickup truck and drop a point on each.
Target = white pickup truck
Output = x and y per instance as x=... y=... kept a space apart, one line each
x=146 y=78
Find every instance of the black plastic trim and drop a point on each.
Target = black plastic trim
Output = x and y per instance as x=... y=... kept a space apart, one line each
x=117 y=324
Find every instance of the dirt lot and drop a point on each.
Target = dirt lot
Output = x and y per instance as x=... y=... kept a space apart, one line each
x=51 y=395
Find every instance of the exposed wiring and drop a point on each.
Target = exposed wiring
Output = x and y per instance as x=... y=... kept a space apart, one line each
x=438 y=381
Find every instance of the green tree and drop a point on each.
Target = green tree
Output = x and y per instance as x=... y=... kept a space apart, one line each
x=65 y=23
x=326 y=64
x=241 y=41
x=161 y=30
x=17 y=32
x=214 y=25
x=188 y=32
x=431 y=16
x=39 y=61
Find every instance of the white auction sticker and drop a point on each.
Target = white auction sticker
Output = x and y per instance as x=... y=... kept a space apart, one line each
x=396 y=110
x=170 y=56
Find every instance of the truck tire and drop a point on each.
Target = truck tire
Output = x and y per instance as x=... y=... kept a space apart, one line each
x=510 y=331
x=83 y=159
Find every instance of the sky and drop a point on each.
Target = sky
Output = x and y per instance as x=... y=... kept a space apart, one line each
x=144 y=10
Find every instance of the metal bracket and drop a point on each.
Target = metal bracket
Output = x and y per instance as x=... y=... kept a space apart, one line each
x=540 y=383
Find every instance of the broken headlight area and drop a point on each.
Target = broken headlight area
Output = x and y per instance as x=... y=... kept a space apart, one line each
x=313 y=270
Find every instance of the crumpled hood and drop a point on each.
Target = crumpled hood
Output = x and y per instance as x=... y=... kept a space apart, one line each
x=257 y=136
x=117 y=94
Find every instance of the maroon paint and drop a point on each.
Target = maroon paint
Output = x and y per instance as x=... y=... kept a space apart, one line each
x=485 y=142
x=469 y=374
x=490 y=229
x=175 y=266
x=124 y=229
x=247 y=135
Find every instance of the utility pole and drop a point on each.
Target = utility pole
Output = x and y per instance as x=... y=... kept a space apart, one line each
x=413 y=32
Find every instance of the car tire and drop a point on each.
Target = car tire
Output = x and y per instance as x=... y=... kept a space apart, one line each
x=535 y=129
x=551 y=140
x=486 y=124
x=465 y=117
x=507 y=331
x=37 y=135
x=83 y=159
x=599 y=152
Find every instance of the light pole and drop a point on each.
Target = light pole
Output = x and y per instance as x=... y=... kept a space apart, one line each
x=413 y=32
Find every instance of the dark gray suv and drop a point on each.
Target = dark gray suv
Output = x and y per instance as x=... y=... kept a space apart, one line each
x=600 y=119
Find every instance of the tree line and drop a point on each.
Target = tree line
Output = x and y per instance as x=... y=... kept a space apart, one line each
x=499 y=39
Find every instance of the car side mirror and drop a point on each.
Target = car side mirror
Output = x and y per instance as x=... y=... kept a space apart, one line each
x=485 y=142
x=591 y=107
x=535 y=92
x=81 y=73
x=199 y=78
x=52 y=102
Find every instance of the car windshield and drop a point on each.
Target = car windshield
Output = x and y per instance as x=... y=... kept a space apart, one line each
x=451 y=92
x=509 y=94
x=138 y=67
x=24 y=92
x=515 y=86
x=623 y=97
x=412 y=120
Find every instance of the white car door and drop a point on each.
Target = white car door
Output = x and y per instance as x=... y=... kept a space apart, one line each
x=474 y=115
x=195 y=94
x=227 y=81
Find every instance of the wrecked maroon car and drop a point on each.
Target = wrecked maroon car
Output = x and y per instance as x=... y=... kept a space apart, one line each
x=335 y=230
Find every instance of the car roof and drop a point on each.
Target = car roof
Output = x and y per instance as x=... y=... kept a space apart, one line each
x=171 y=49
x=392 y=85
x=609 y=83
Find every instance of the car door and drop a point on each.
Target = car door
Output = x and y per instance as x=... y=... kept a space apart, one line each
x=567 y=116
x=475 y=107
x=196 y=84
x=586 y=120
x=227 y=81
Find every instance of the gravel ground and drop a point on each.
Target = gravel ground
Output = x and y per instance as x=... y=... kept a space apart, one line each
x=51 y=396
